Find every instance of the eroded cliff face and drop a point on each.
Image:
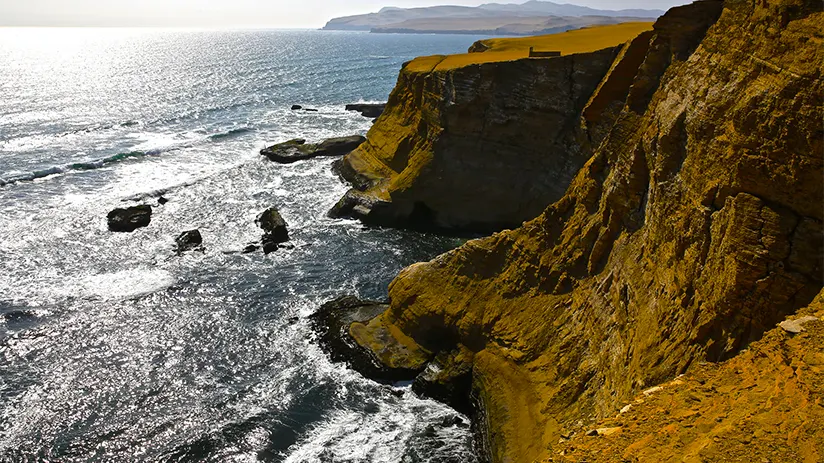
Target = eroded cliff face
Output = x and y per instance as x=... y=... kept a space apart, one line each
x=694 y=229
x=480 y=147
x=766 y=404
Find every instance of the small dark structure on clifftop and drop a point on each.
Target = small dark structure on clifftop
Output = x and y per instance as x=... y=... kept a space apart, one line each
x=543 y=54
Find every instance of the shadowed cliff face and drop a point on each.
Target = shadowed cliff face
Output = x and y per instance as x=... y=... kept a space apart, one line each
x=694 y=228
x=479 y=147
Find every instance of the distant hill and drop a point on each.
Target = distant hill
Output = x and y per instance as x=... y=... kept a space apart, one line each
x=532 y=17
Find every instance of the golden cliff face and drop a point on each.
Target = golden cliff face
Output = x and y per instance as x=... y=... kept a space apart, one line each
x=469 y=142
x=695 y=227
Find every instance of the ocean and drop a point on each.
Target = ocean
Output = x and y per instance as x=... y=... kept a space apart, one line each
x=112 y=347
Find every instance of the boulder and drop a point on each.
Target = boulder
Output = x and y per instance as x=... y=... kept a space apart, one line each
x=368 y=209
x=296 y=107
x=371 y=110
x=129 y=219
x=274 y=229
x=298 y=150
x=188 y=241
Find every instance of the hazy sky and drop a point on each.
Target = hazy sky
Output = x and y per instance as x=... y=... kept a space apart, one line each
x=271 y=13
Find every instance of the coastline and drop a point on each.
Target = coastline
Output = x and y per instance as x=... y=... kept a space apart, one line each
x=556 y=320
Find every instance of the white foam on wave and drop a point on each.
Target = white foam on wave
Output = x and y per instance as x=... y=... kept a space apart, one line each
x=126 y=284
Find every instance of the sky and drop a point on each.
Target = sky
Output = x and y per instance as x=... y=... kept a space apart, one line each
x=233 y=13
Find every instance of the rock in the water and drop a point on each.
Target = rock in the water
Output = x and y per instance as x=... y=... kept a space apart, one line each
x=270 y=247
x=273 y=226
x=129 y=219
x=311 y=110
x=298 y=150
x=189 y=240
x=339 y=146
x=296 y=107
x=162 y=201
x=250 y=248
x=289 y=151
x=357 y=205
x=371 y=110
x=334 y=321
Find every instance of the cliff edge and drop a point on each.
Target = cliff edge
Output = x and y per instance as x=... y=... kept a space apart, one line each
x=693 y=229
x=484 y=141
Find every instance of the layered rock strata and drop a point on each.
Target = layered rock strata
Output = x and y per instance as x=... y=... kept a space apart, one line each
x=481 y=147
x=694 y=228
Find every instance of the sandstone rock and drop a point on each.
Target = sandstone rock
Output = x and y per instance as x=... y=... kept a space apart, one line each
x=298 y=150
x=694 y=228
x=478 y=47
x=334 y=322
x=188 y=241
x=448 y=378
x=484 y=147
x=796 y=326
x=129 y=219
x=743 y=420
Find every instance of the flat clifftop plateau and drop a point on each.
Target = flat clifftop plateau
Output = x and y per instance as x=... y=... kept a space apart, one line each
x=484 y=141
x=693 y=229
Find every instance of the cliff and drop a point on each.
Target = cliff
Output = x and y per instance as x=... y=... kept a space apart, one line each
x=484 y=141
x=763 y=405
x=693 y=229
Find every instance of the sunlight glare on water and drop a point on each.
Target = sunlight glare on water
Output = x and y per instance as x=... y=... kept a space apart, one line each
x=113 y=347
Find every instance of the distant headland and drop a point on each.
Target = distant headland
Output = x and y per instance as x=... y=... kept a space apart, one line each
x=530 y=18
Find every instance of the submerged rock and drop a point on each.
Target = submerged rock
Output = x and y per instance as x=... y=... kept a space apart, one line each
x=370 y=110
x=298 y=150
x=188 y=241
x=126 y=220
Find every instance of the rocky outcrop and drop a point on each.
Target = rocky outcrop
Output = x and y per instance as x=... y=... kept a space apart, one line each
x=298 y=150
x=188 y=241
x=129 y=219
x=339 y=321
x=692 y=231
x=371 y=110
x=755 y=407
x=481 y=147
x=274 y=228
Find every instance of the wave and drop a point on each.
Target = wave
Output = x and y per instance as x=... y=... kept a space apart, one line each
x=77 y=166
x=106 y=161
x=230 y=134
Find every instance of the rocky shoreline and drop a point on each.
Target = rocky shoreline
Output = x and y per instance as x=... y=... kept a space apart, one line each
x=691 y=228
x=655 y=212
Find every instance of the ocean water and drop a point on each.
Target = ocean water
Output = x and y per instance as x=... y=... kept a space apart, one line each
x=112 y=348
